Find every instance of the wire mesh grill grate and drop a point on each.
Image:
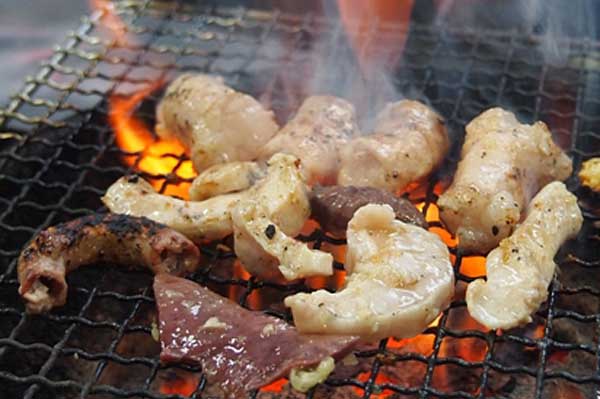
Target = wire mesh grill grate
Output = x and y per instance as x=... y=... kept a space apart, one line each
x=58 y=155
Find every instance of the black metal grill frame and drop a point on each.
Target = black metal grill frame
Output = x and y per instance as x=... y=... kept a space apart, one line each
x=57 y=156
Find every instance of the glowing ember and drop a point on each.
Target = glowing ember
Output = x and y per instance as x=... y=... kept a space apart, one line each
x=275 y=387
x=380 y=379
x=151 y=155
x=184 y=385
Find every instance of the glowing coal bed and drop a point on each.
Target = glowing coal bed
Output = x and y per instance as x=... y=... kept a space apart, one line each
x=87 y=118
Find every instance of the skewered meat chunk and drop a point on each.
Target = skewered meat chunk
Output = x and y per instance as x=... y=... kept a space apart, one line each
x=204 y=220
x=503 y=165
x=399 y=279
x=239 y=350
x=119 y=239
x=334 y=206
x=271 y=213
x=225 y=178
x=409 y=142
x=321 y=126
x=214 y=122
x=520 y=270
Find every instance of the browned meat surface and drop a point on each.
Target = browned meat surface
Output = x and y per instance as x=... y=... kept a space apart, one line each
x=334 y=206
x=116 y=239
x=239 y=350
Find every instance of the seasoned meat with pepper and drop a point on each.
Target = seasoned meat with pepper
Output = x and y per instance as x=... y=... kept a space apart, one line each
x=322 y=125
x=408 y=143
x=239 y=350
x=117 y=239
x=215 y=123
x=520 y=270
x=399 y=278
x=198 y=220
x=334 y=206
x=266 y=220
x=503 y=165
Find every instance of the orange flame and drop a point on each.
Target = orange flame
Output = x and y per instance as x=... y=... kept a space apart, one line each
x=156 y=156
x=111 y=21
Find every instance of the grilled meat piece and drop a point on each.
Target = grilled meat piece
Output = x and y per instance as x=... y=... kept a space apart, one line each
x=334 y=206
x=321 y=126
x=215 y=123
x=272 y=212
x=119 y=239
x=520 y=270
x=408 y=143
x=239 y=350
x=204 y=220
x=503 y=165
x=399 y=279
x=589 y=175
x=225 y=178
x=266 y=251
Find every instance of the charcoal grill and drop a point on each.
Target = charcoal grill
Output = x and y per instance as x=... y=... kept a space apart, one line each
x=58 y=155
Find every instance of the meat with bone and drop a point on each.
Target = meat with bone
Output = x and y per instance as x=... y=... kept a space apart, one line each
x=399 y=279
x=520 y=270
x=408 y=143
x=117 y=239
x=214 y=122
x=334 y=206
x=239 y=350
x=203 y=220
x=321 y=126
x=273 y=211
x=225 y=178
x=503 y=165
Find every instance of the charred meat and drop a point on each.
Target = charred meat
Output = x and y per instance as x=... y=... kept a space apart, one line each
x=108 y=238
x=239 y=350
x=334 y=206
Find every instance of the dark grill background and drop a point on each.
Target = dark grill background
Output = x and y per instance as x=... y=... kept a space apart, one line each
x=57 y=156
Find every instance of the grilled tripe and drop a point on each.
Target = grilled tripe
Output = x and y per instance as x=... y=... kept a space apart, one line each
x=225 y=178
x=520 y=270
x=215 y=123
x=273 y=211
x=115 y=239
x=399 y=279
x=202 y=220
x=503 y=165
x=322 y=125
x=408 y=143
